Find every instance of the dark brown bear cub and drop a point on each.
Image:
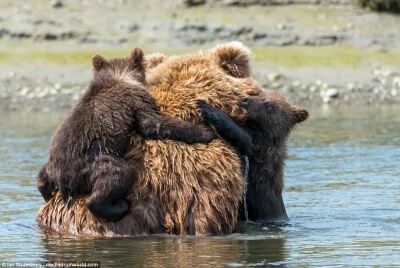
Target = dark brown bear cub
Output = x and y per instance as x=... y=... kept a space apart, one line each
x=86 y=152
x=263 y=137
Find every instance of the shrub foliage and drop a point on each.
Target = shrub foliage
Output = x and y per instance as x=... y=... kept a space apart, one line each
x=381 y=5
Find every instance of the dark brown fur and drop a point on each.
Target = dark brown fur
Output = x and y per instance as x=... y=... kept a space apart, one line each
x=85 y=155
x=270 y=119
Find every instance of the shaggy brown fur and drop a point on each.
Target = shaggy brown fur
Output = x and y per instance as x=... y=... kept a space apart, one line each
x=85 y=155
x=270 y=119
x=181 y=188
x=201 y=187
x=196 y=189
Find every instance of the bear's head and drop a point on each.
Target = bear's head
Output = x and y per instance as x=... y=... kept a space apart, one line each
x=220 y=76
x=232 y=57
x=131 y=68
x=270 y=113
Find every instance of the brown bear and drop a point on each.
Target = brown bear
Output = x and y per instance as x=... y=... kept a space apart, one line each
x=181 y=188
x=270 y=119
x=86 y=152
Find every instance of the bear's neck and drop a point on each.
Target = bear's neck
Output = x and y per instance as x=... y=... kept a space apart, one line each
x=265 y=180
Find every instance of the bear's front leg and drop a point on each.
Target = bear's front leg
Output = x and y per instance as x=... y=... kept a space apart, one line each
x=157 y=126
x=226 y=127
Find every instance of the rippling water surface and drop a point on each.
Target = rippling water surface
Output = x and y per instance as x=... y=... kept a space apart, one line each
x=342 y=194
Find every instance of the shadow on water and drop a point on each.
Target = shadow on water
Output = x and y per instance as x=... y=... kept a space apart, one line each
x=342 y=194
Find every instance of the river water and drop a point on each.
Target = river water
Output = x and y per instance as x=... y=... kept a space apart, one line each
x=342 y=195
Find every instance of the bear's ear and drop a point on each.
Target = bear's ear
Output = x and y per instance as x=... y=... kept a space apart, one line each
x=137 y=58
x=234 y=58
x=300 y=114
x=154 y=60
x=98 y=62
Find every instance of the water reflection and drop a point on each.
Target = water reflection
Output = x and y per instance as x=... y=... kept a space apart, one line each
x=350 y=127
x=166 y=251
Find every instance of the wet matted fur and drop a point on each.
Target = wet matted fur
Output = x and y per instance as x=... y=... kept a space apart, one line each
x=181 y=188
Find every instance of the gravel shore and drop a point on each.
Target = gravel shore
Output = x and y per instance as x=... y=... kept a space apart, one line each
x=313 y=52
x=47 y=95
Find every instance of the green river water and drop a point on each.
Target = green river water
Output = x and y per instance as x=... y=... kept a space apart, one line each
x=342 y=194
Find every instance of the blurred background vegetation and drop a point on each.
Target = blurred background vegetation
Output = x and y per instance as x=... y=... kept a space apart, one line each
x=381 y=5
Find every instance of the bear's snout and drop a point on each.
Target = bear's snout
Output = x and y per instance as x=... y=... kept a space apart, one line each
x=246 y=101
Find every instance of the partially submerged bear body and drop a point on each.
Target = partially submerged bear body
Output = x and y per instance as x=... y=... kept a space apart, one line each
x=270 y=119
x=181 y=188
x=86 y=153
x=262 y=137
x=201 y=186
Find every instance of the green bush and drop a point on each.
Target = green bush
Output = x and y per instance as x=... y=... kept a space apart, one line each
x=381 y=5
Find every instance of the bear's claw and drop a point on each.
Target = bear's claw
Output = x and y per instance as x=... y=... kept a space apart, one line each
x=204 y=109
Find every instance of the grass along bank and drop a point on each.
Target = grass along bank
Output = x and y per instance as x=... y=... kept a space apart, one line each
x=326 y=56
x=288 y=57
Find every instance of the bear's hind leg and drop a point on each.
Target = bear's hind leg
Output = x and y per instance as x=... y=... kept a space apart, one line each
x=45 y=185
x=112 y=178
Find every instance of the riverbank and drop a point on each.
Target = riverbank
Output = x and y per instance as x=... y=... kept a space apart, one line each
x=313 y=53
x=49 y=85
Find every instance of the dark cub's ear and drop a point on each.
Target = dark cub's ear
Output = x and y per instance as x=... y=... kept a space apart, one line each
x=234 y=58
x=300 y=114
x=137 y=58
x=98 y=62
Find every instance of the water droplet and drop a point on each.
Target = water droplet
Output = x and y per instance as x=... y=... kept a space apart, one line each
x=246 y=174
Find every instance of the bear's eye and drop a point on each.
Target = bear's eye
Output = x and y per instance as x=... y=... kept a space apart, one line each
x=268 y=105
